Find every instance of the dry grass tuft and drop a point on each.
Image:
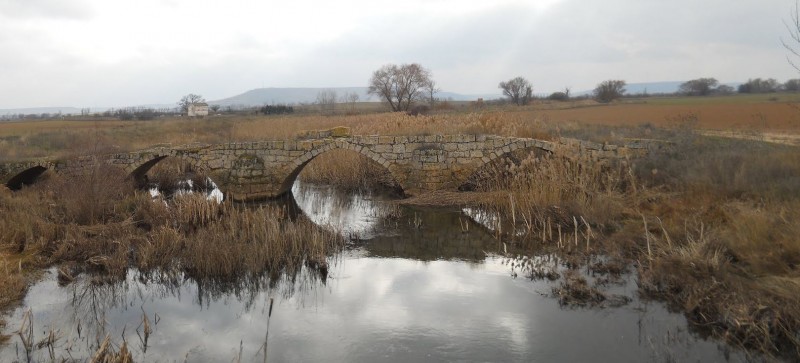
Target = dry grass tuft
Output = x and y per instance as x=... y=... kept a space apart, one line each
x=106 y=353
x=574 y=290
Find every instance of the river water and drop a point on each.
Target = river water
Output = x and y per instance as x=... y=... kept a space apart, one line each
x=413 y=284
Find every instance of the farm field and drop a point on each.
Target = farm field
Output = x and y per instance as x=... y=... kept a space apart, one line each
x=734 y=116
x=755 y=116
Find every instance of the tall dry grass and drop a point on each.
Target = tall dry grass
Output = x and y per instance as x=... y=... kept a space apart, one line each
x=100 y=224
x=549 y=199
x=710 y=226
x=347 y=170
x=64 y=138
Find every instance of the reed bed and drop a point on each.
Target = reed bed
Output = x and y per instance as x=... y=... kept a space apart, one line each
x=710 y=227
x=94 y=225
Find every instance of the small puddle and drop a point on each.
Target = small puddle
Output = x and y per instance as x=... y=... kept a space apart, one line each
x=413 y=284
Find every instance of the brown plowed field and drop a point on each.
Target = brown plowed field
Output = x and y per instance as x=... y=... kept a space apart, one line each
x=767 y=116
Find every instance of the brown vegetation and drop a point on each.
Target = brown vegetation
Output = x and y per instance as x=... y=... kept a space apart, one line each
x=709 y=227
x=547 y=119
x=98 y=223
x=347 y=170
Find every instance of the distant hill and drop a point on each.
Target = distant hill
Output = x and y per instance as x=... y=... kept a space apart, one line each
x=40 y=110
x=262 y=96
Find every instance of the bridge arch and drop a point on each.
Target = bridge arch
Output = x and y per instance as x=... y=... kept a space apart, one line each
x=25 y=177
x=498 y=154
x=139 y=172
x=296 y=166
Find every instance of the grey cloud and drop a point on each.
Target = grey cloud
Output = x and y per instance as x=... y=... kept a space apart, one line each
x=52 y=9
x=572 y=43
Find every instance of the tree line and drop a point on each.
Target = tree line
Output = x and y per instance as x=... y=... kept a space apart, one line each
x=710 y=86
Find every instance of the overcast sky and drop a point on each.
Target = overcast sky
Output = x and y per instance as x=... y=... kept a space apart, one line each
x=89 y=53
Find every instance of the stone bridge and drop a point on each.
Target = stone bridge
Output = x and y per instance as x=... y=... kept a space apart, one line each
x=257 y=170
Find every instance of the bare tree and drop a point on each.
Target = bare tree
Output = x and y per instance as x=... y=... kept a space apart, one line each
x=759 y=85
x=699 y=87
x=793 y=44
x=351 y=98
x=326 y=99
x=610 y=90
x=400 y=85
x=431 y=90
x=188 y=100
x=518 y=89
x=214 y=108
x=792 y=85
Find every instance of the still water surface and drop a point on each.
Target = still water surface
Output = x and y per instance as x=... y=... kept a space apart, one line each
x=412 y=285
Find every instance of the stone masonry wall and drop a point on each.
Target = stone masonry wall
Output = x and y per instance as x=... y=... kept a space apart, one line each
x=255 y=170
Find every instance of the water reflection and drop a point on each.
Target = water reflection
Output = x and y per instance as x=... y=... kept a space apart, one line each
x=373 y=309
x=188 y=186
x=415 y=285
x=385 y=229
x=354 y=215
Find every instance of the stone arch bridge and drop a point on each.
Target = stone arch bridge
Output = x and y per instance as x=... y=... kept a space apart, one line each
x=267 y=169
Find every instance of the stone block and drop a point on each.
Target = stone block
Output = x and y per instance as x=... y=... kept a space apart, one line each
x=609 y=147
x=340 y=131
x=215 y=163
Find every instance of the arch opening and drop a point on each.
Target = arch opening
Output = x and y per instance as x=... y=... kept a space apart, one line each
x=346 y=169
x=500 y=171
x=139 y=175
x=26 y=177
x=170 y=176
x=346 y=191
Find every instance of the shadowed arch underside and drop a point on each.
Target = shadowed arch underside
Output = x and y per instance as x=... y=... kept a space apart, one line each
x=139 y=174
x=26 y=177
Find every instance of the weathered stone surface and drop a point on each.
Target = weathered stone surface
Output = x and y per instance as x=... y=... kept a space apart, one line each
x=253 y=170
